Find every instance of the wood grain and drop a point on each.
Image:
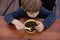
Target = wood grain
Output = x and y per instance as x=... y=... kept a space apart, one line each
x=9 y=32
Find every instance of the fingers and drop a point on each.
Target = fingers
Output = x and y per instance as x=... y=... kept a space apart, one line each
x=20 y=26
x=40 y=30
x=40 y=27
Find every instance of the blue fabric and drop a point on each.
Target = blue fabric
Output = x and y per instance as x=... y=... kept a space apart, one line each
x=49 y=16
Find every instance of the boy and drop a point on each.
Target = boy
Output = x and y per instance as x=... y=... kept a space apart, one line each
x=31 y=9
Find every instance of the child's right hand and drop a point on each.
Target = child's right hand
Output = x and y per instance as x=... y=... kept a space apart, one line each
x=19 y=25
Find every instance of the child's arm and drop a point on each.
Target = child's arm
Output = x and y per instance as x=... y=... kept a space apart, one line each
x=49 y=16
x=11 y=18
x=14 y=15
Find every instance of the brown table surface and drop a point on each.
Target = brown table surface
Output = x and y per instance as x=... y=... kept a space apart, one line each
x=9 y=32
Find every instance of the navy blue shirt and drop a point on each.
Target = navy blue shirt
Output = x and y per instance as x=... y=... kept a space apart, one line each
x=49 y=16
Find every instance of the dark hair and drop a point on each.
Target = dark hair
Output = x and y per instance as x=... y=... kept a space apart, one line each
x=31 y=5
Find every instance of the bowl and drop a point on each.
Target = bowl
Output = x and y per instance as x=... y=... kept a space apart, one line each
x=30 y=25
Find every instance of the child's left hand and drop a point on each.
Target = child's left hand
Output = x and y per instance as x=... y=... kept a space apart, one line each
x=40 y=26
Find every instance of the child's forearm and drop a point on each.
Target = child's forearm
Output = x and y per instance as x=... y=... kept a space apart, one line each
x=49 y=20
x=49 y=17
x=13 y=15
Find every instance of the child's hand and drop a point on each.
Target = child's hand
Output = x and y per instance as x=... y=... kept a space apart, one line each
x=18 y=24
x=40 y=26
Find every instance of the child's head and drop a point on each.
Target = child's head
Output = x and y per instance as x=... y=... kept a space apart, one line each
x=31 y=5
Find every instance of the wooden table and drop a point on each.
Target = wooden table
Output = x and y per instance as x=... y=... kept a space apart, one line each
x=9 y=32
